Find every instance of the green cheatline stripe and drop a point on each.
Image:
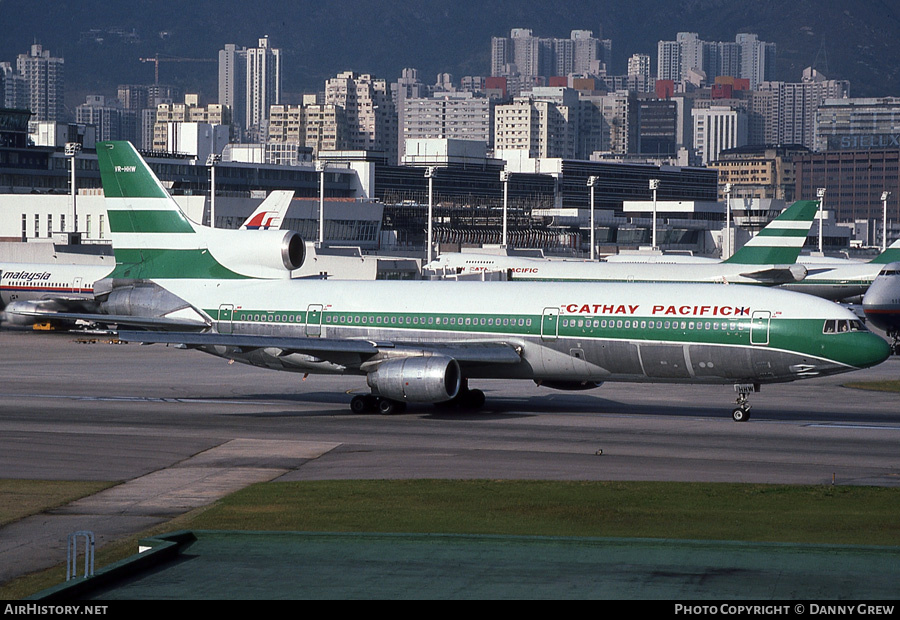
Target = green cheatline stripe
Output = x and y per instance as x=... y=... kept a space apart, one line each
x=157 y=221
x=785 y=334
x=124 y=173
x=764 y=255
x=170 y=264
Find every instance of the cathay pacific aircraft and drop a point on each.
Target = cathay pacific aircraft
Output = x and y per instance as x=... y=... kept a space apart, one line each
x=425 y=341
x=33 y=293
x=768 y=259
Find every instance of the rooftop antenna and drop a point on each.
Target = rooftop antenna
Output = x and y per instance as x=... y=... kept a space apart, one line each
x=824 y=56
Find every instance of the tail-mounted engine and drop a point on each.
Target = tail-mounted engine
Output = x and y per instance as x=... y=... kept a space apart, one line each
x=258 y=254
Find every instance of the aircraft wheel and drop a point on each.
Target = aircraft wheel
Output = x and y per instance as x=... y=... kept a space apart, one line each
x=387 y=406
x=358 y=404
x=740 y=415
x=474 y=399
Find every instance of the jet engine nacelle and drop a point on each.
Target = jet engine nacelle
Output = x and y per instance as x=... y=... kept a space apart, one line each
x=421 y=379
x=12 y=313
x=258 y=253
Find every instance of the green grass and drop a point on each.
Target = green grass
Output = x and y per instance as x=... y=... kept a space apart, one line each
x=777 y=513
x=692 y=511
x=877 y=386
x=23 y=498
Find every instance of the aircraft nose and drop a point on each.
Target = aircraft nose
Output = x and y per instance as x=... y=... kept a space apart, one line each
x=872 y=350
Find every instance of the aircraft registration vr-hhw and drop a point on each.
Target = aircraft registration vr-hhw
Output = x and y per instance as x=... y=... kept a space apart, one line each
x=424 y=341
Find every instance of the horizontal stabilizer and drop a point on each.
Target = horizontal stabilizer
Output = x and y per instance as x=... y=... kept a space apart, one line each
x=778 y=274
x=117 y=319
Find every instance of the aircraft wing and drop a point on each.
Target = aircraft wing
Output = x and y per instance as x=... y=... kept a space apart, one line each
x=778 y=274
x=479 y=352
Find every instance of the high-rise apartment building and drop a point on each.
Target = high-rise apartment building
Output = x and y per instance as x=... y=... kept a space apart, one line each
x=456 y=116
x=319 y=127
x=794 y=107
x=543 y=125
x=45 y=80
x=747 y=58
x=859 y=124
x=190 y=111
x=112 y=120
x=13 y=88
x=716 y=129
x=535 y=59
x=263 y=81
x=233 y=82
x=370 y=114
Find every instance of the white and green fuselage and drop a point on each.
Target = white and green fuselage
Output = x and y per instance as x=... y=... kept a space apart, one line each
x=563 y=332
x=419 y=341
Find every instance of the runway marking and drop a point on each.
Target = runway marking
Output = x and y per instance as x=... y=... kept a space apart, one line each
x=854 y=426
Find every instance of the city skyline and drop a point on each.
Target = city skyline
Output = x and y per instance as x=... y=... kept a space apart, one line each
x=450 y=40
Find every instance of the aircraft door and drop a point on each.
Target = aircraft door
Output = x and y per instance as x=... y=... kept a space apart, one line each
x=314 y=320
x=76 y=285
x=550 y=324
x=759 y=327
x=226 y=316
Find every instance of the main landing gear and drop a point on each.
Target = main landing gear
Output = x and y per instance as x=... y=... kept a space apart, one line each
x=741 y=413
x=372 y=403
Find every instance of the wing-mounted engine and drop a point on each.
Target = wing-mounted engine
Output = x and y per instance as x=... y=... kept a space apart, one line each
x=258 y=253
x=418 y=379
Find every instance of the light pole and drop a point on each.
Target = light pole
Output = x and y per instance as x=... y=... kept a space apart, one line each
x=72 y=150
x=728 y=187
x=211 y=160
x=504 y=177
x=654 y=185
x=820 y=193
x=429 y=174
x=884 y=197
x=591 y=182
x=320 y=168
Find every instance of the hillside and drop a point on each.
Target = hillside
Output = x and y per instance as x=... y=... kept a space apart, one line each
x=103 y=42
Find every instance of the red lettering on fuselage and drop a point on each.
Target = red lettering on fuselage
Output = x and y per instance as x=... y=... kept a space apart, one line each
x=632 y=309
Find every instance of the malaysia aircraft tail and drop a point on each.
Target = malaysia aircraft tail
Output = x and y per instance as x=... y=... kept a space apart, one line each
x=270 y=212
x=780 y=242
x=153 y=239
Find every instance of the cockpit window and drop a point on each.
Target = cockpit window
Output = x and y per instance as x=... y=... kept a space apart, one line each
x=840 y=326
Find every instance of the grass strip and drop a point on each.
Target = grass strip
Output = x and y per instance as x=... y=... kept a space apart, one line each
x=876 y=386
x=701 y=511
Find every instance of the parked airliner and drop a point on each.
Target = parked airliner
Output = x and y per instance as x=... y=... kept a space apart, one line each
x=768 y=259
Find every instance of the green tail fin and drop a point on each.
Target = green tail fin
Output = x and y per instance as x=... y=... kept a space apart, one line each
x=151 y=236
x=780 y=242
x=890 y=255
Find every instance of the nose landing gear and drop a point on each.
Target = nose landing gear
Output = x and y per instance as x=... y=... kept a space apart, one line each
x=741 y=413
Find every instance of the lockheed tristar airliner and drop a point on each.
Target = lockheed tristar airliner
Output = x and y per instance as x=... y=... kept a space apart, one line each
x=425 y=341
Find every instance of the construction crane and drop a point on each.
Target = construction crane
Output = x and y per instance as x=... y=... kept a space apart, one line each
x=158 y=59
